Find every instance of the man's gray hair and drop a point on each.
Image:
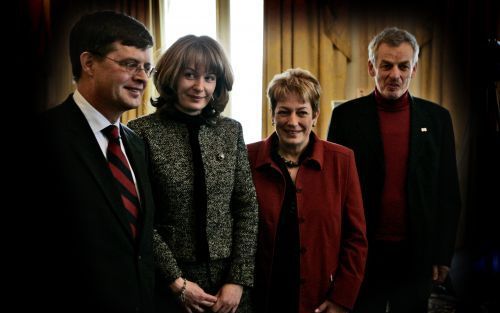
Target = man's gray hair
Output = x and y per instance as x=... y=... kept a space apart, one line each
x=394 y=37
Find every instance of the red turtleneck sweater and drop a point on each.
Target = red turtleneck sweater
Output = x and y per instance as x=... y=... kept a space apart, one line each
x=394 y=118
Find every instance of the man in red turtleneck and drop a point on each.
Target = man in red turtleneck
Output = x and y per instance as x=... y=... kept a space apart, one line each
x=405 y=155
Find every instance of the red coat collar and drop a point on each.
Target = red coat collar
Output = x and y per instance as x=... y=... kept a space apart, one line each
x=264 y=155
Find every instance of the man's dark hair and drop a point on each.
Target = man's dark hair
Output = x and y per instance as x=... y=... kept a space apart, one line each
x=96 y=32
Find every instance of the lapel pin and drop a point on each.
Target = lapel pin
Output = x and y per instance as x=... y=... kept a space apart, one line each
x=221 y=156
x=423 y=129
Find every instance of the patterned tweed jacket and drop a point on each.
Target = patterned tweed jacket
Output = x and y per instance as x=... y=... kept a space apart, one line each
x=232 y=209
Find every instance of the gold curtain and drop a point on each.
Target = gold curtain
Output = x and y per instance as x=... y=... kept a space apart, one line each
x=330 y=39
x=301 y=33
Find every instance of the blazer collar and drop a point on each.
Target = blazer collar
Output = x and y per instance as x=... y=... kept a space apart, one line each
x=136 y=155
x=87 y=149
x=420 y=131
x=264 y=155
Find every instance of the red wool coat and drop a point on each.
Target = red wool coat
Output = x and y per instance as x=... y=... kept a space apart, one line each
x=332 y=230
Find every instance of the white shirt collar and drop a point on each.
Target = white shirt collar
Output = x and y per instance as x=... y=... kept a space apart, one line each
x=96 y=120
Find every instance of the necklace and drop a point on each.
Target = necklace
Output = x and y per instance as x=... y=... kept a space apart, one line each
x=289 y=163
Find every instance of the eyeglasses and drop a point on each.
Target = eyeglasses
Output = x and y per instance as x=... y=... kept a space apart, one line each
x=133 y=67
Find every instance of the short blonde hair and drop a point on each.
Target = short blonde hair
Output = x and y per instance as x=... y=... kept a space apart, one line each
x=294 y=81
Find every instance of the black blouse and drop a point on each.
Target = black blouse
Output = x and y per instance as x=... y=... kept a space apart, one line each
x=285 y=271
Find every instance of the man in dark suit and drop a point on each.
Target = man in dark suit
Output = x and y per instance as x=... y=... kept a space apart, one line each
x=97 y=223
x=405 y=155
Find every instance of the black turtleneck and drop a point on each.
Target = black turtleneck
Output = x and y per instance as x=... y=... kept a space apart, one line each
x=285 y=279
x=193 y=124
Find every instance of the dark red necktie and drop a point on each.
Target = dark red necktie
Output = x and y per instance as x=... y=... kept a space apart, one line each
x=121 y=171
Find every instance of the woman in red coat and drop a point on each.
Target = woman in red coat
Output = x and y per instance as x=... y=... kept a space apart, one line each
x=312 y=243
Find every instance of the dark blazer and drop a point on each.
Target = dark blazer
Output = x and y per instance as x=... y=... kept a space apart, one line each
x=432 y=183
x=89 y=254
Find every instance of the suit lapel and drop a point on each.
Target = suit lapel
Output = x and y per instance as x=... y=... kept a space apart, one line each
x=369 y=131
x=82 y=140
x=135 y=153
x=419 y=130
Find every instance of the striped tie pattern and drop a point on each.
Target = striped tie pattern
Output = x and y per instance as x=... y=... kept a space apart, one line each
x=121 y=171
